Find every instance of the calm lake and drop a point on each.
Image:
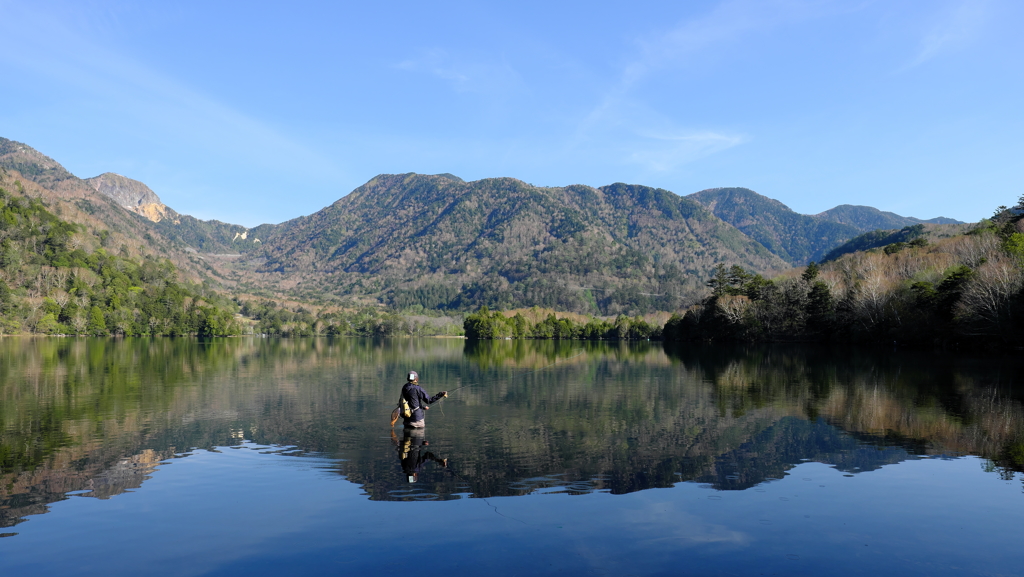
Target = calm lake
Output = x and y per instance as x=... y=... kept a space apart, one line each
x=275 y=457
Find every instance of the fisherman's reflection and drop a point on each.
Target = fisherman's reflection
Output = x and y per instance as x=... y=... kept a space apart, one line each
x=413 y=454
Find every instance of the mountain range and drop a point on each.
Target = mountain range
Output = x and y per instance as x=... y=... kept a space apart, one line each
x=439 y=242
x=799 y=238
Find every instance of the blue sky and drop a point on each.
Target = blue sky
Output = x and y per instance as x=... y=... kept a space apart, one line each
x=252 y=112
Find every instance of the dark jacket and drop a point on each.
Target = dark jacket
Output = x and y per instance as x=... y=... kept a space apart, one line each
x=417 y=398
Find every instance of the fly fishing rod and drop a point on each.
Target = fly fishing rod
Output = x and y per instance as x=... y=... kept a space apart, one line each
x=395 y=414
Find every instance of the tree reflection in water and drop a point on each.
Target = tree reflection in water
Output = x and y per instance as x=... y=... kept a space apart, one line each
x=99 y=415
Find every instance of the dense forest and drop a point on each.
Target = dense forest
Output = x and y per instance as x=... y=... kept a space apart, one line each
x=58 y=278
x=968 y=289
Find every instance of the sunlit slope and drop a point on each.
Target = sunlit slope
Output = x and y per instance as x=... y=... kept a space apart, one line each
x=121 y=204
x=188 y=232
x=502 y=241
x=25 y=172
x=885 y=237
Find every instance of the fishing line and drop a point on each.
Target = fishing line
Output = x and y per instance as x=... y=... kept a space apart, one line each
x=460 y=477
x=484 y=499
x=502 y=514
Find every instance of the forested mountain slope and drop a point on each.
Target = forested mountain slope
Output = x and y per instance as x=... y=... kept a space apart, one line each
x=26 y=172
x=60 y=277
x=870 y=218
x=926 y=284
x=896 y=240
x=169 y=232
x=438 y=241
x=798 y=238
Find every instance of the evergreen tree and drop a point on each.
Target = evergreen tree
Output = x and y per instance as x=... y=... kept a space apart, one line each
x=97 y=325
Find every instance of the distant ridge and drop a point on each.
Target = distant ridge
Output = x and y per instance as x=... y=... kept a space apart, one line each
x=867 y=218
x=795 y=237
x=123 y=206
x=798 y=238
x=33 y=165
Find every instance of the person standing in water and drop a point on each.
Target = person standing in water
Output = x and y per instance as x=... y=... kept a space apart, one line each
x=418 y=401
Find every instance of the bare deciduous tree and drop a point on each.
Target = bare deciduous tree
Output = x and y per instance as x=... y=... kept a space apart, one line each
x=972 y=250
x=869 y=299
x=60 y=297
x=60 y=277
x=986 y=302
x=732 y=307
x=75 y=242
x=78 y=323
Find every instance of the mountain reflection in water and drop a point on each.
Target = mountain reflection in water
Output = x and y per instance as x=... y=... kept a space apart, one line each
x=96 y=417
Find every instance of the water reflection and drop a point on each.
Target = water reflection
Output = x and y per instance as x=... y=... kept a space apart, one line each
x=97 y=416
x=413 y=453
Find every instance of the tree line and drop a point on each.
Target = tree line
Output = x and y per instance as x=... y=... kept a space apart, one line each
x=487 y=324
x=58 y=278
x=275 y=319
x=968 y=289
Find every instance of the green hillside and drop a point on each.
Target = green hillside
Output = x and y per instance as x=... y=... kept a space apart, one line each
x=868 y=218
x=796 y=238
x=440 y=242
x=59 y=278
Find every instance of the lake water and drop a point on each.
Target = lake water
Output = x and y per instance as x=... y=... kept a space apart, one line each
x=274 y=457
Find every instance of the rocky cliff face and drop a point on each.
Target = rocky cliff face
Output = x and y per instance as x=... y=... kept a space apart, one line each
x=131 y=194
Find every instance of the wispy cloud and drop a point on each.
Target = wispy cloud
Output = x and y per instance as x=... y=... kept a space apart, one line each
x=661 y=153
x=436 y=62
x=464 y=75
x=693 y=37
x=952 y=29
x=66 y=46
x=702 y=37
